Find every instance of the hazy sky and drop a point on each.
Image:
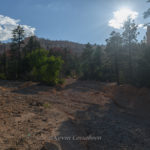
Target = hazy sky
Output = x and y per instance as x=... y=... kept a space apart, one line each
x=74 y=20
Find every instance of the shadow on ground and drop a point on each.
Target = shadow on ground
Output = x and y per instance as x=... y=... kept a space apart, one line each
x=32 y=89
x=113 y=130
x=84 y=86
x=77 y=85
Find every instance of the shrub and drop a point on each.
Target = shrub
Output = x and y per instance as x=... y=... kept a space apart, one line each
x=3 y=76
x=44 y=68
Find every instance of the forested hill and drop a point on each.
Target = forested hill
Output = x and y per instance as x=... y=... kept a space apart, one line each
x=48 y=44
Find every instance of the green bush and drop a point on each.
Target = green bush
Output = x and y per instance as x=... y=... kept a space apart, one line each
x=44 y=68
x=3 y=76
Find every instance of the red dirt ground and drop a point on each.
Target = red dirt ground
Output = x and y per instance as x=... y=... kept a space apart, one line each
x=33 y=115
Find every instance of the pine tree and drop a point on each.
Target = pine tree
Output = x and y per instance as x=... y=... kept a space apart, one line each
x=18 y=36
x=114 y=44
x=129 y=39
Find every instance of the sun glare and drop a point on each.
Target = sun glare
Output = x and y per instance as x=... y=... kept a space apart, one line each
x=120 y=16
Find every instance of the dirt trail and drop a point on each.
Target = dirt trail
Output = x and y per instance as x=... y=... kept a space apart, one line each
x=38 y=117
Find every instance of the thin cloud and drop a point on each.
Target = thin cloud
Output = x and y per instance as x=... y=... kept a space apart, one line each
x=142 y=26
x=120 y=16
x=55 y=6
x=8 y=24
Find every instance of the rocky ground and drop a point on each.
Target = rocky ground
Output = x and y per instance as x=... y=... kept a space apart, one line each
x=79 y=115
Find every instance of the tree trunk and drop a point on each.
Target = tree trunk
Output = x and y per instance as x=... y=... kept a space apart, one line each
x=117 y=68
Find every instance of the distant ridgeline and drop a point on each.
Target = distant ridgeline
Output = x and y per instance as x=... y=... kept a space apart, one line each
x=49 y=44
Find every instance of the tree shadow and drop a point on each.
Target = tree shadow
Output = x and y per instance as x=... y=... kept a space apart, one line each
x=33 y=89
x=9 y=84
x=21 y=87
x=84 y=86
x=108 y=128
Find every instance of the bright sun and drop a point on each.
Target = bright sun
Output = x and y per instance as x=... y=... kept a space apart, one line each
x=120 y=16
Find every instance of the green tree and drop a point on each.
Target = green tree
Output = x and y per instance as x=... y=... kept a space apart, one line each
x=14 y=67
x=129 y=36
x=97 y=63
x=144 y=67
x=31 y=45
x=44 y=68
x=18 y=35
x=91 y=62
x=86 y=62
x=3 y=62
x=114 y=45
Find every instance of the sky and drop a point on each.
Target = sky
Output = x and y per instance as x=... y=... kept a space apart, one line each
x=80 y=21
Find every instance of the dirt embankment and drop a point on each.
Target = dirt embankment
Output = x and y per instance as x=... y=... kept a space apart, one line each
x=133 y=99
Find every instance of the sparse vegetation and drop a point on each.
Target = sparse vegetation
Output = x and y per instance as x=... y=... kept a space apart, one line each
x=62 y=95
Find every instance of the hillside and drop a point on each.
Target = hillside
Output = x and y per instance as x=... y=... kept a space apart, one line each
x=48 y=44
